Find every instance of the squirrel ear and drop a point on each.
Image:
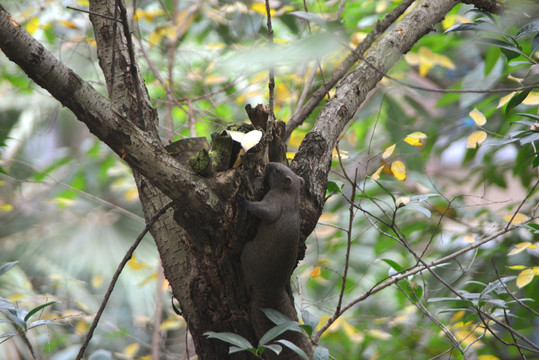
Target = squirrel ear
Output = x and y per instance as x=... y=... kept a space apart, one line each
x=287 y=182
x=301 y=181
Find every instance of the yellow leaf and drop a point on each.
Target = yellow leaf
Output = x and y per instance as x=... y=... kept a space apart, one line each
x=478 y=117
x=131 y=194
x=131 y=350
x=417 y=135
x=69 y=24
x=445 y=62
x=516 y=267
x=377 y=173
x=412 y=58
x=399 y=170
x=148 y=279
x=476 y=139
x=171 y=324
x=135 y=264
x=525 y=277
x=172 y=32
x=379 y=334
x=32 y=25
x=81 y=327
x=381 y=6
x=281 y=41
x=343 y=153
x=215 y=79
x=424 y=67
x=351 y=331
x=387 y=152
x=16 y=297
x=316 y=272
x=97 y=280
x=91 y=41
x=536 y=270
x=6 y=207
x=487 y=357
x=519 y=247
x=458 y=315
x=261 y=9
x=517 y=219
x=403 y=200
x=156 y=36
x=469 y=238
x=505 y=99
x=532 y=98
x=413 y=141
x=358 y=37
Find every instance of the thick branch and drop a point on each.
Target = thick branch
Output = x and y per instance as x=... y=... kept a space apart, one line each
x=300 y=115
x=109 y=124
x=313 y=159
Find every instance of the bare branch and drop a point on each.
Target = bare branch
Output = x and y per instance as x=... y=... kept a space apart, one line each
x=301 y=114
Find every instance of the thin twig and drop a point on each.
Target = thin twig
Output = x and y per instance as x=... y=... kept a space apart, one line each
x=348 y=245
x=116 y=275
x=338 y=73
x=271 y=75
x=530 y=193
x=91 y=13
x=511 y=294
x=428 y=314
x=407 y=273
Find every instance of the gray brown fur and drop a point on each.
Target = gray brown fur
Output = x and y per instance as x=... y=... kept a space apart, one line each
x=269 y=259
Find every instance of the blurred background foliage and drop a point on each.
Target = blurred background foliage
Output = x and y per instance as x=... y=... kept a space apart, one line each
x=69 y=208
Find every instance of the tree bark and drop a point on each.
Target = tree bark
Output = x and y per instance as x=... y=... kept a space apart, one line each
x=200 y=241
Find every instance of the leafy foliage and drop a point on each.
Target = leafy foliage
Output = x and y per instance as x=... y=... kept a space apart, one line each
x=454 y=181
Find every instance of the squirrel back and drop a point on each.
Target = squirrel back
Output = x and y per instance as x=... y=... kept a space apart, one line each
x=269 y=259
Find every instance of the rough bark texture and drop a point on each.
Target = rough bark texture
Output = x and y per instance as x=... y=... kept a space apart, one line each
x=200 y=241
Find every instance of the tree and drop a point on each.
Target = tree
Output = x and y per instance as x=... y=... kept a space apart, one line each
x=200 y=240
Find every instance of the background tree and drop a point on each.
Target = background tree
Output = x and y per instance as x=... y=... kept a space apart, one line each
x=200 y=240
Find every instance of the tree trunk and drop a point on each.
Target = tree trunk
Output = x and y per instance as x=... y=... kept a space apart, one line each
x=200 y=240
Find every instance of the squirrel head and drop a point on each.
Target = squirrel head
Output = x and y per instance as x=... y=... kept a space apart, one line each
x=281 y=177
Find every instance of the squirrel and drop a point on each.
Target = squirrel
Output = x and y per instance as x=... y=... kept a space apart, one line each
x=269 y=259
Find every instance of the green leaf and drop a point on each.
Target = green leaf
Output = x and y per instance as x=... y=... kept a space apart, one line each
x=535 y=44
x=231 y=338
x=501 y=44
x=310 y=320
x=37 y=308
x=4 y=268
x=294 y=348
x=275 y=316
x=516 y=100
x=419 y=208
x=312 y=17
x=393 y=264
x=334 y=186
x=234 y=349
x=275 y=348
x=321 y=353
x=43 y=322
x=531 y=27
x=5 y=304
x=278 y=330
x=39 y=176
x=386 y=190
x=15 y=317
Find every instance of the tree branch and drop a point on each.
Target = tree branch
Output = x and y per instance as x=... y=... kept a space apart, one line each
x=301 y=114
x=313 y=159
x=104 y=120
